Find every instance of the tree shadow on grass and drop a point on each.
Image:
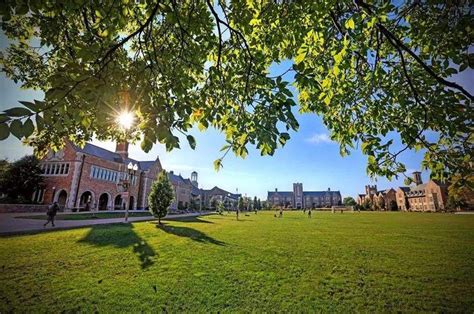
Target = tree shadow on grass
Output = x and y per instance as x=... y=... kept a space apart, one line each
x=191 y=233
x=189 y=219
x=121 y=236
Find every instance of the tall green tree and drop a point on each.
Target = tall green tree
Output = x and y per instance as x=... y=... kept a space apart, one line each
x=20 y=179
x=349 y=201
x=240 y=204
x=366 y=67
x=161 y=196
x=255 y=203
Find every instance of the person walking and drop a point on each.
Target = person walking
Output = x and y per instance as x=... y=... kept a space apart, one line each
x=309 y=213
x=52 y=211
x=237 y=214
x=281 y=213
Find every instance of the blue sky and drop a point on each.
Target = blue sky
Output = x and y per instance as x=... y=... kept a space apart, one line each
x=310 y=157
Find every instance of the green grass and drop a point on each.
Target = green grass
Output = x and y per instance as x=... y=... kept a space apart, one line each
x=333 y=262
x=87 y=216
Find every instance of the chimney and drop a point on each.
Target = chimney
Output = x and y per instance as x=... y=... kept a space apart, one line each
x=171 y=172
x=417 y=178
x=329 y=189
x=121 y=148
x=276 y=190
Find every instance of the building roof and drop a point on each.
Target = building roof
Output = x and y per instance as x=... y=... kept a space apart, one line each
x=103 y=153
x=305 y=193
x=404 y=188
x=218 y=191
x=281 y=193
x=320 y=193
x=419 y=187
x=177 y=179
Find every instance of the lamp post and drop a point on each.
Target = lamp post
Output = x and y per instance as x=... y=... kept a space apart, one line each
x=132 y=170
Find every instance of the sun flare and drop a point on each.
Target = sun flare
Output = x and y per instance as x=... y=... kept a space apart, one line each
x=125 y=119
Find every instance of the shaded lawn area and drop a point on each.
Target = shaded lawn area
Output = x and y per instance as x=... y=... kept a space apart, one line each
x=332 y=262
x=87 y=216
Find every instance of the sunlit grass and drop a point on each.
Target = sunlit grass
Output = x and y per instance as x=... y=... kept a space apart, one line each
x=332 y=262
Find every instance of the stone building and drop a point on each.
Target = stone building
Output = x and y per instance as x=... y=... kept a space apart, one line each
x=93 y=177
x=431 y=196
x=298 y=198
x=188 y=194
x=217 y=194
x=183 y=189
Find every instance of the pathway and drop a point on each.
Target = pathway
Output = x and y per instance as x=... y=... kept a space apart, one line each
x=10 y=224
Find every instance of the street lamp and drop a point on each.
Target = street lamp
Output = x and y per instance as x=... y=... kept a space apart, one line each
x=132 y=170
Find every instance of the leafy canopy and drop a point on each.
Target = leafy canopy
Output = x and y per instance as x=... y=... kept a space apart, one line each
x=20 y=179
x=367 y=68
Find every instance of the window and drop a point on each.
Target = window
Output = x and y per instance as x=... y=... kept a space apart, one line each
x=104 y=174
x=55 y=168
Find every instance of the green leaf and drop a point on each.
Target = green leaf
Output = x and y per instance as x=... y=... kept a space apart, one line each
x=4 y=131
x=39 y=122
x=146 y=145
x=4 y=118
x=191 y=141
x=18 y=112
x=217 y=164
x=16 y=128
x=28 y=128
x=30 y=105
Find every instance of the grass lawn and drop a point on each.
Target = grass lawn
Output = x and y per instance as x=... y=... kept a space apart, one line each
x=333 y=262
x=87 y=216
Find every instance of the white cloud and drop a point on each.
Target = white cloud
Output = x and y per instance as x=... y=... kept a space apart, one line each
x=319 y=138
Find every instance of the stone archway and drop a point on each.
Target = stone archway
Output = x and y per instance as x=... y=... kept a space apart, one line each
x=118 y=202
x=86 y=202
x=62 y=198
x=103 y=201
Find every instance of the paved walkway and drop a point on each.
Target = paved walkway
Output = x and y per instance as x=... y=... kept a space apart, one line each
x=10 y=224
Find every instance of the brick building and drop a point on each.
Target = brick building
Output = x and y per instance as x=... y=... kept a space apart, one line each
x=93 y=177
x=303 y=199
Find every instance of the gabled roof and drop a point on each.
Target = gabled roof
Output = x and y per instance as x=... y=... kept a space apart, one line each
x=176 y=179
x=404 y=188
x=146 y=165
x=218 y=191
x=105 y=154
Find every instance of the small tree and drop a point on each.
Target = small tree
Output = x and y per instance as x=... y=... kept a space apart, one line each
x=220 y=208
x=214 y=204
x=240 y=204
x=349 y=201
x=161 y=196
x=255 y=203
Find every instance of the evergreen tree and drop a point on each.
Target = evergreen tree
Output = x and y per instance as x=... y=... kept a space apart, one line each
x=255 y=203
x=161 y=196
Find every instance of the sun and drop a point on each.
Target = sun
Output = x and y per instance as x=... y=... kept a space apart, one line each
x=125 y=119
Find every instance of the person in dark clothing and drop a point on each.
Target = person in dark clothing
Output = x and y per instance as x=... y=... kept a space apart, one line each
x=281 y=213
x=52 y=211
x=309 y=213
x=237 y=214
